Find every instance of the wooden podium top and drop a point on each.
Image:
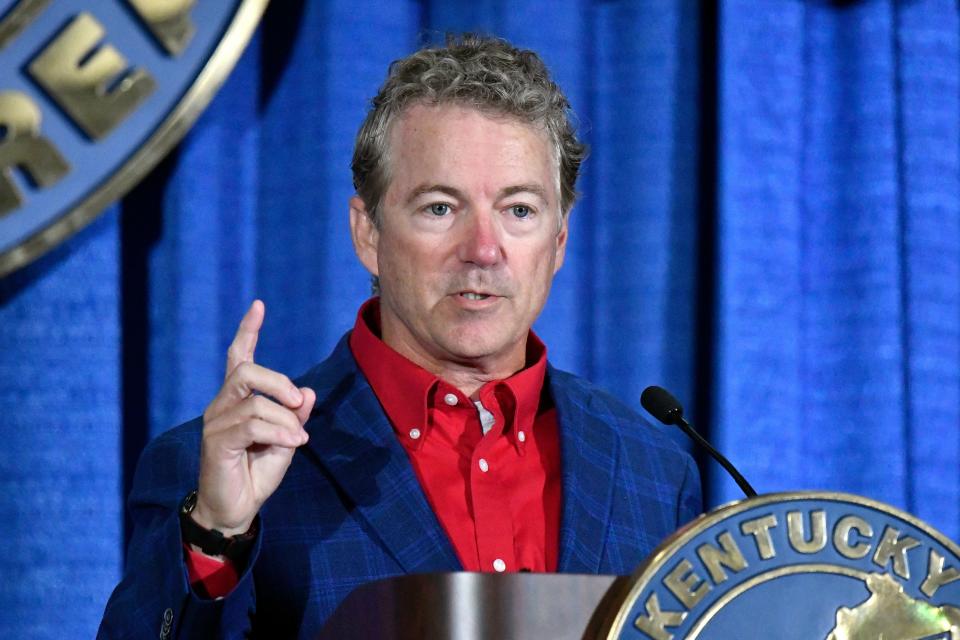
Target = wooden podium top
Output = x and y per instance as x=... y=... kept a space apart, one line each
x=467 y=606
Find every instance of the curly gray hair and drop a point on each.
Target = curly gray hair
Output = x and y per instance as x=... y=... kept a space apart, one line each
x=486 y=73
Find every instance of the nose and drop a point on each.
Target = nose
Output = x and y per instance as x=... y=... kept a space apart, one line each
x=480 y=242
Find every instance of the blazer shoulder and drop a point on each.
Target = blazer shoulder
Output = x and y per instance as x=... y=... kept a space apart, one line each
x=333 y=374
x=656 y=482
x=633 y=428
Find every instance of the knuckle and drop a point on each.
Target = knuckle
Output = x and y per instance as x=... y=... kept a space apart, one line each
x=243 y=370
x=259 y=406
x=295 y=422
x=291 y=421
x=241 y=376
x=285 y=417
x=248 y=429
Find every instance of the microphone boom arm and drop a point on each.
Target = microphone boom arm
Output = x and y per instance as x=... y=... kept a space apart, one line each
x=719 y=457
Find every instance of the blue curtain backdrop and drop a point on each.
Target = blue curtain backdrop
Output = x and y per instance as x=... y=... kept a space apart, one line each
x=770 y=227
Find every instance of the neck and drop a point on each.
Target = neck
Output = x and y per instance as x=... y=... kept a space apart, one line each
x=469 y=380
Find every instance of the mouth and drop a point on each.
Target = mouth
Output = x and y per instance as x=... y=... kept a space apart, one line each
x=473 y=295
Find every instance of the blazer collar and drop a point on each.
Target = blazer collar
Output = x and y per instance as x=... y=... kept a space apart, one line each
x=354 y=442
x=588 y=457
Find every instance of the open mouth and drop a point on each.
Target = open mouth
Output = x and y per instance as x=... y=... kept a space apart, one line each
x=470 y=295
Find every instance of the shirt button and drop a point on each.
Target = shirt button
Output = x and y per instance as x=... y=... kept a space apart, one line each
x=451 y=399
x=483 y=465
x=521 y=436
x=414 y=434
x=499 y=565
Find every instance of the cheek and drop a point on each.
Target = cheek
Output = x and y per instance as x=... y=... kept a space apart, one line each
x=546 y=261
x=544 y=269
x=410 y=262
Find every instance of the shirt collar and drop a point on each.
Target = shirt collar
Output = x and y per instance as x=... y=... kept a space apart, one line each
x=404 y=388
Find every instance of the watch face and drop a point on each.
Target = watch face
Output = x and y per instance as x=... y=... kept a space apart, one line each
x=189 y=502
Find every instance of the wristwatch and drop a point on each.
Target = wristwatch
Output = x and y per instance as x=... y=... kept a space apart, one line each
x=211 y=541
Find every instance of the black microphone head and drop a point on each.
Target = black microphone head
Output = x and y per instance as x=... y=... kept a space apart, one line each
x=661 y=405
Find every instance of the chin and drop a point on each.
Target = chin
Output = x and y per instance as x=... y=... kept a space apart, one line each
x=472 y=345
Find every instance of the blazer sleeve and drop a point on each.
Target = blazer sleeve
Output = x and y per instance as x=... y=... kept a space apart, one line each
x=154 y=598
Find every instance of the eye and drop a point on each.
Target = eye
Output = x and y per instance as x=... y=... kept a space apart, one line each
x=439 y=209
x=521 y=211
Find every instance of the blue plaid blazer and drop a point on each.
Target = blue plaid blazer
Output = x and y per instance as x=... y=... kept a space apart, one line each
x=350 y=510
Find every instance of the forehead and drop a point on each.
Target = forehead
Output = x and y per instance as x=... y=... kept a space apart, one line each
x=461 y=143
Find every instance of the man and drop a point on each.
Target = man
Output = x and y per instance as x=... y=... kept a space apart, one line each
x=436 y=437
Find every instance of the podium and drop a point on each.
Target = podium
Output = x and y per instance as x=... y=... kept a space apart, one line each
x=790 y=566
x=470 y=606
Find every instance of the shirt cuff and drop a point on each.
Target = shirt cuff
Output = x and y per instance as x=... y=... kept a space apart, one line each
x=209 y=577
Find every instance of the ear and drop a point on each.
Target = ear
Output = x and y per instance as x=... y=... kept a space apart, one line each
x=561 y=240
x=366 y=236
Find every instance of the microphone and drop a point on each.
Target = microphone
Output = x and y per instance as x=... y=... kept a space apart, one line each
x=665 y=408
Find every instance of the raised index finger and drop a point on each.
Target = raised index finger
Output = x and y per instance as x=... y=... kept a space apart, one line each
x=245 y=342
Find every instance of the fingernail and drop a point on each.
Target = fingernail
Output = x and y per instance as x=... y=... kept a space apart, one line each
x=295 y=395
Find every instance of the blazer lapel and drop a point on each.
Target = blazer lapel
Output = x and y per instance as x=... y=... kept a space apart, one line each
x=350 y=435
x=588 y=455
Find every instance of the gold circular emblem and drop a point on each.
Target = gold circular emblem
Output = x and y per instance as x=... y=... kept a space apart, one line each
x=795 y=566
x=93 y=96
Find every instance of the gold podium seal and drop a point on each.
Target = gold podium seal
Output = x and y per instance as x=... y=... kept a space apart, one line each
x=797 y=566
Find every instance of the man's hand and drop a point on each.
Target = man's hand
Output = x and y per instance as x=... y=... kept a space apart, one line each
x=248 y=438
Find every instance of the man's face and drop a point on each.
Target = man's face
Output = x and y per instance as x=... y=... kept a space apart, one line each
x=470 y=237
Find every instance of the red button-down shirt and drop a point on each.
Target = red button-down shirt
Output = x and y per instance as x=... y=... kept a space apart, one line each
x=489 y=466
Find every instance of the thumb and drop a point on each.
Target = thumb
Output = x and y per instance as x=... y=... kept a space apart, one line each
x=309 y=398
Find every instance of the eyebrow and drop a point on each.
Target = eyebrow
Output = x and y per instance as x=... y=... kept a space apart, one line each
x=506 y=192
x=535 y=189
x=431 y=188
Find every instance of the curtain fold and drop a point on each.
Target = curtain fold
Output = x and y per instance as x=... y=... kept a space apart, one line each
x=837 y=354
x=60 y=462
x=759 y=338
x=640 y=195
x=928 y=48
